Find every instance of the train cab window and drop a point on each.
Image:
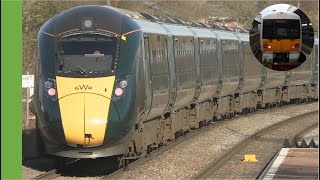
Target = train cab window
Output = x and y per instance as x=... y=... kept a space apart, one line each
x=281 y=29
x=86 y=53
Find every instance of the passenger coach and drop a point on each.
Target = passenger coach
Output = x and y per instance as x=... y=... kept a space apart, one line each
x=280 y=37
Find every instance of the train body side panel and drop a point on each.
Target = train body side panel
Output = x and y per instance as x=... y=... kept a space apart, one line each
x=159 y=71
x=303 y=78
x=230 y=63
x=273 y=79
x=156 y=67
x=315 y=62
x=208 y=63
x=252 y=74
x=303 y=73
x=185 y=65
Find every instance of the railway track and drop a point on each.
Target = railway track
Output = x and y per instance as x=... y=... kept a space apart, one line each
x=82 y=168
x=211 y=170
x=52 y=174
x=116 y=174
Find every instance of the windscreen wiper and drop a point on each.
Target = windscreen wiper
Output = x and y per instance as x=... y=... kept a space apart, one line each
x=78 y=69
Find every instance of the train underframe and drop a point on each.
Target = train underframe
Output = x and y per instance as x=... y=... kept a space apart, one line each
x=280 y=58
x=151 y=135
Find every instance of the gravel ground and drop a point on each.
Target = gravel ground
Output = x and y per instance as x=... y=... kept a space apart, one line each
x=33 y=168
x=189 y=157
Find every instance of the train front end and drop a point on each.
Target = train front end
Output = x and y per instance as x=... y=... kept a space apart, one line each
x=281 y=37
x=85 y=101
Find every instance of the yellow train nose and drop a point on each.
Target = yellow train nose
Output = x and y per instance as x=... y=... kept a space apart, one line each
x=84 y=109
x=84 y=119
x=282 y=45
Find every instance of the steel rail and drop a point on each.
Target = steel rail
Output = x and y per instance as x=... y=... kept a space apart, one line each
x=53 y=173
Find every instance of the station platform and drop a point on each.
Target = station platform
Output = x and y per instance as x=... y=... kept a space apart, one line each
x=293 y=163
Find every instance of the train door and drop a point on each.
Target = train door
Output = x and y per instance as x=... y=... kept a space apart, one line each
x=172 y=74
x=146 y=68
x=196 y=45
x=159 y=74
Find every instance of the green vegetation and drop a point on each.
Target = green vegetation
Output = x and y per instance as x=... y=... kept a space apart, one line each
x=36 y=13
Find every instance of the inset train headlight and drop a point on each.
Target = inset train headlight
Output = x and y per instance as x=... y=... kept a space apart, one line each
x=267 y=46
x=123 y=84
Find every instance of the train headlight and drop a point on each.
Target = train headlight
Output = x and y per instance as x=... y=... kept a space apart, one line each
x=52 y=91
x=123 y=84
x=118 y=92
x=120 y=88
x=267 y=46
x=48 y=84
x=87 y=23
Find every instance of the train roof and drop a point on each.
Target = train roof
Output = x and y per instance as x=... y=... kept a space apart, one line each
x=243 y=36
x=281 y=15
x=182 y=30
x=177 y=27
x=109 y=19
x=226 y=35
x=278 y=7
x=203 y=33
x=169 y=20
x=283 y=7
x=151 y=27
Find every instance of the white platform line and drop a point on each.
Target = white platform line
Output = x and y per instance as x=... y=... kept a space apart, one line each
x=274 y=168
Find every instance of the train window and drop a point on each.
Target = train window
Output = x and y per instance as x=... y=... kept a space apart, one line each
x=87 y=52
x=281 y=29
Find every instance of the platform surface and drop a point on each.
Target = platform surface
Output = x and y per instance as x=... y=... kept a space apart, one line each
x=295 y=163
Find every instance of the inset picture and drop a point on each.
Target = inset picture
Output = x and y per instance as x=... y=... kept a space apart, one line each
x=281 y=36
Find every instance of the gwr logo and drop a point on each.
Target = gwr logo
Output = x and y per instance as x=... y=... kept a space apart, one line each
x=83 y=87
